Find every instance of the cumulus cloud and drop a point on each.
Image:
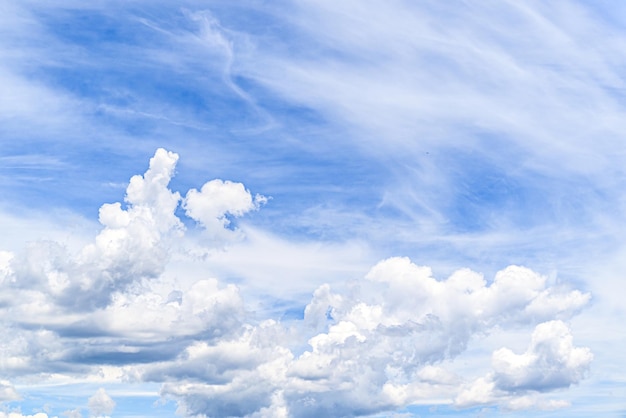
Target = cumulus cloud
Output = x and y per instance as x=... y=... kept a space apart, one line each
x=376 y=347
x=100 y=404
x=205 y=305
x=115 y=286
x=234 y=377
x=132 y=246
x=218 y=200
x=125 y=302
x=550 y=362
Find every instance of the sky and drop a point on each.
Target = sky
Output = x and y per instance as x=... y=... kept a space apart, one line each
x=314 y=208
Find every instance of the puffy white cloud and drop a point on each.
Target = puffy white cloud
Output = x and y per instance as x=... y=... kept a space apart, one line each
x=479 y=392
x=550 y=362
x=114 y=287
x=218 y=200
x=147 y=315
x=234 y=377
x=378 y=346
x=100 y=404
x=131 y=246
x=134 y=243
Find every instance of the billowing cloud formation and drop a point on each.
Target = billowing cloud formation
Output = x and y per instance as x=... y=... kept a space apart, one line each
x=551 y=362
x=132 y=246
x=124 y=303
x=113 y=286
x=379 y=345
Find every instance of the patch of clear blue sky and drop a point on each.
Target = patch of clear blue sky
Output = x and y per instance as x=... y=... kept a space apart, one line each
x=108 y=72
x=299 y=162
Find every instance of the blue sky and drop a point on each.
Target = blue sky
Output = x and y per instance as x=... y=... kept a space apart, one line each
x=315 y=208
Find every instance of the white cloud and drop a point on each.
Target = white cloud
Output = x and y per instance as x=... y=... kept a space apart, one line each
x=100 y=404
x=216 y=201
x=266 y=260
x=5 y=265
x=234 y=377
x=480 y=392
x=475 y=121
x=388 y=71
x=125 y=306
x=550 y=362
x=379 y=348
x=204 y=307
x=8 y=392
x=132 y=246
x=115 y=286
x=528 y=402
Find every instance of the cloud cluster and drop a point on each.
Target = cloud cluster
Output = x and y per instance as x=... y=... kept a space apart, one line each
x=380 y=343
x=115 y=285
x=550 y=362
x=380 y=347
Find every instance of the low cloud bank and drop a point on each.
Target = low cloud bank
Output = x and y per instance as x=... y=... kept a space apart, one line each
x=383 y=343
